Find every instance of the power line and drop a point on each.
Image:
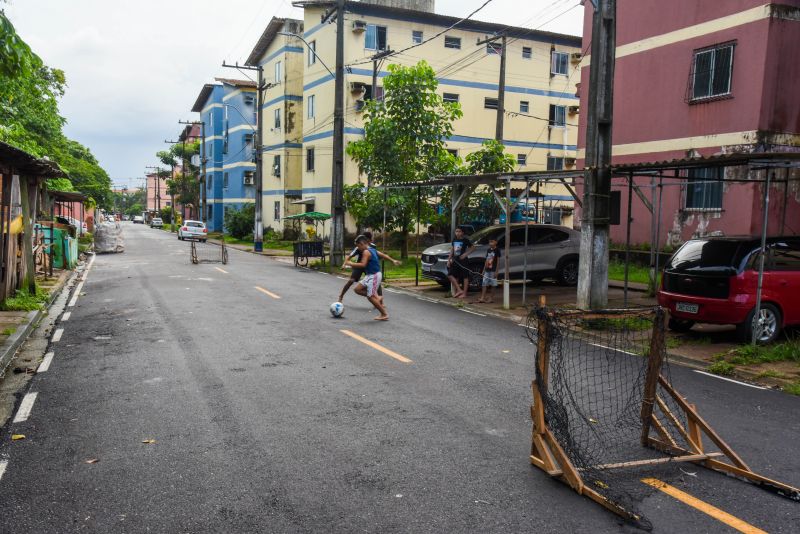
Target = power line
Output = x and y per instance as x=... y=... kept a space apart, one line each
x=487 y=2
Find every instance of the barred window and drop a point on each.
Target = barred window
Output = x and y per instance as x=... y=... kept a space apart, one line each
x=712 y=69
x=450 y=97
x=704 y=189
x=555 y=164
x=452 y=42
x=522 y=159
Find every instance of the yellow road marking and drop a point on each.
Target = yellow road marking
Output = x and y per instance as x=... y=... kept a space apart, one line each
x=713 y=511
x=270 y=293
x=375 y=346
x=221 y=270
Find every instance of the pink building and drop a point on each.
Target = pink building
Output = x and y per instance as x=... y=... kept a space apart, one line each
x=157 y=196
x=695 y=79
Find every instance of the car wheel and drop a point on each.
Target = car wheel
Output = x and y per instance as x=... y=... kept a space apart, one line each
x=768 y=325
x=568 y=273
x=680 y=325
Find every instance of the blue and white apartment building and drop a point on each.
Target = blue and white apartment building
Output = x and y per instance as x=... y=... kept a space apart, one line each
x=228 y=110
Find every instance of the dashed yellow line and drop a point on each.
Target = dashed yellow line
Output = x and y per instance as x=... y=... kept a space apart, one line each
x=267 y=292
x=221 y=270
x=713 y=511
x=367 y=342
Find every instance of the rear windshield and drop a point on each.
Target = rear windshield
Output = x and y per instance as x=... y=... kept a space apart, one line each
x=710 y=255
x=194 y=224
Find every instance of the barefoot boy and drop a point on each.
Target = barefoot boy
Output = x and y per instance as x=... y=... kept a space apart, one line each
x=368 y=287
x=489 y=272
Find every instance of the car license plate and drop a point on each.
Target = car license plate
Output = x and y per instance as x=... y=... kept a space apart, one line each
x=686 y=307
x=426 y=267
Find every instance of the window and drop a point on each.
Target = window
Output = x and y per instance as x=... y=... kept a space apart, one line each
x=453 y=152
x=490 y=103
x=249 y=99
x=310 y=159
x=211 y=150
x=277 y=119
x=210 y=211
x=452 y=42
x=247 y=140
x=225 y=131
x=450 y=97
x=277 y=214
x=522 y=159
x=524 y=106
x=559 y=63
x=225 y=180
x=416 y=37
x=276 y=166
x=711 y=72
x=558 y=116
x=278 y=71
x=704 y=190
x=375 y=37
x=494 y=48
x=555 y=164
x=785 y=256
x=310 y=107
x=209 y=181
x=527 y=53
x=312 y=53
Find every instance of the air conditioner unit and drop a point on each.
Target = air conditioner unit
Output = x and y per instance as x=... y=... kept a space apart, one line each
x=360 y=105
x=249 y=99
x=249 y=179
x=359 y=26
x=358 y=87
x=573 y=109
x=569 y=162
x=576 y=57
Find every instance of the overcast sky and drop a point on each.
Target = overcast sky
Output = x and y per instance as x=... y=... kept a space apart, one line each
x=134 y=68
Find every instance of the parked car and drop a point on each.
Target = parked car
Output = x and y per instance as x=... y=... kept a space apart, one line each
x=138 y=219
x=193 y=230
x=552 y=252
x=126 y=218
x=156 y=222
x=715 y=280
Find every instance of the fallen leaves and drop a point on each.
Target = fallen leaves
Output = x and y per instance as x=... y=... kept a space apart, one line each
x=16 y=437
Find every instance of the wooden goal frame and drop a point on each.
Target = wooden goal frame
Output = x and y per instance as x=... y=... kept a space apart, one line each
x=548 y=455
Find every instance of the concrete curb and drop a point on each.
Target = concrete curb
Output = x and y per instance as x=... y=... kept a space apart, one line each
x=21 y=334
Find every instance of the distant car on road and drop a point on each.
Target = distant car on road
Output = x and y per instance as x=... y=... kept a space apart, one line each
x=156 y=222
x=126 y=218
x=193 y=230
x=552 y=252
x=138 y=219
x=714 y=280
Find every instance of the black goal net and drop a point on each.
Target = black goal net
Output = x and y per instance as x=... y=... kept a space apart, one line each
x=591 y=374
x=201 y=252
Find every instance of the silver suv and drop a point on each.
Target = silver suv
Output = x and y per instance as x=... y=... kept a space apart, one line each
x=552 y=253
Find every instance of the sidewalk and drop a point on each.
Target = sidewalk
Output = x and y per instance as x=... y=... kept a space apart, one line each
x=246 y=248
x=16 y=326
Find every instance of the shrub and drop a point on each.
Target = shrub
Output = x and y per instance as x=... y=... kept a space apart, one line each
x=240 y=222
x=722 y=368
x=24 y=301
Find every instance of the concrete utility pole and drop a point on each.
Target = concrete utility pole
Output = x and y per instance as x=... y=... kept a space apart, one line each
x=258 y=232
x=337 y=172
x=501 y=84
x=593 y=271
x=172 y=189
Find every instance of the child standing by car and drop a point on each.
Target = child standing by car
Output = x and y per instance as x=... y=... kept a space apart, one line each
x=489 y=272
x=458 y=270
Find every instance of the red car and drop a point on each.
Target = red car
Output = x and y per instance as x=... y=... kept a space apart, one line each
x=714 y=280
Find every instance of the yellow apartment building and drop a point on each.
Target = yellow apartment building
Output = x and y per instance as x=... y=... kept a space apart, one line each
x=541 y=106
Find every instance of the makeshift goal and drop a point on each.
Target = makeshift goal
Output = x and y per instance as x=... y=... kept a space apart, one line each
x=209 y=253
x=605 y=414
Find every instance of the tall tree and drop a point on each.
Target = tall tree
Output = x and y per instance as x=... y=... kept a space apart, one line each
x=30 y=119
x=404 y=141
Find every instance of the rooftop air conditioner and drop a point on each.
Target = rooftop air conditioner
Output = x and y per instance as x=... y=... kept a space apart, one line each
x=359 y=26
x=573 y=109
x=576 y=57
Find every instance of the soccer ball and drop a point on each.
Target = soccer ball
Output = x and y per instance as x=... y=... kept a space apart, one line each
x=337 y=309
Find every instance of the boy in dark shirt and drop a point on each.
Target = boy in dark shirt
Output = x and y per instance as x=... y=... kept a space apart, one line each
x=490 y=272
x=457 y=265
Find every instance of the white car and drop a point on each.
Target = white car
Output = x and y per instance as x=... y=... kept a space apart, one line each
x=138 y=219
x=193 y=230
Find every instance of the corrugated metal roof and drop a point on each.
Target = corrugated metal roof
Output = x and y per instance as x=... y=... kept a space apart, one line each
x=26 y=164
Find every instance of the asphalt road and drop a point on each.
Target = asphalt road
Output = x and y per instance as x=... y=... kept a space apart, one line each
x=266 y=417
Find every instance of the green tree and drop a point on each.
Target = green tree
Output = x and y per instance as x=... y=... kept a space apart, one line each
x=30 y=119
x=491 y=158
x=404 y=141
